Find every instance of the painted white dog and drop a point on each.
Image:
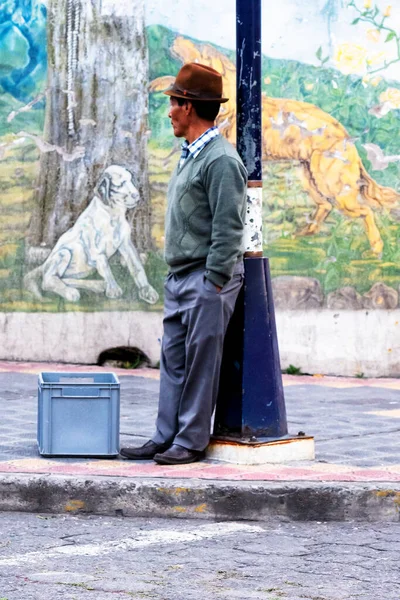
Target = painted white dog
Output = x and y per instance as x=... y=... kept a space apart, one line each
x=99 y=232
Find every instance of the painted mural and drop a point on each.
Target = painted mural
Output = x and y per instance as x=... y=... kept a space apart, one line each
x=100 y=232
x=86 y=150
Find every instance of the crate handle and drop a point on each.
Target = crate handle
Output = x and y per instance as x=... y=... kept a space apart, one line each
x=76 y=380
x=81 y=397
x=77 y=393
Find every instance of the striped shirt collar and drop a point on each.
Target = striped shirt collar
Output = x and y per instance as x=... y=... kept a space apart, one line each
x=197 y=146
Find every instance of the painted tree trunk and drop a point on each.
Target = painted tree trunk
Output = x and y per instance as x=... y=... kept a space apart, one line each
x=96 y=111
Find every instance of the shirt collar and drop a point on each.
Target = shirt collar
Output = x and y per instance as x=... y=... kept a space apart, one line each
x=197 y=146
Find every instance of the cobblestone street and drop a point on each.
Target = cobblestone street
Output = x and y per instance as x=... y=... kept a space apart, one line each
x=79 y=557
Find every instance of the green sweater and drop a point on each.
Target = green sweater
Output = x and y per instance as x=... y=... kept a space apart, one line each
x=205 y=214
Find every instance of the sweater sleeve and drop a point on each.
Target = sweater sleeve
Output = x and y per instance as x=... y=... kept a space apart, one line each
x=226 y=184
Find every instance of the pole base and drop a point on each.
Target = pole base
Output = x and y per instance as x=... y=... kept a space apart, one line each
x=262 y=451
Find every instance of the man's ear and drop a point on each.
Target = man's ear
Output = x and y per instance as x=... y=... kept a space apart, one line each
x=188 y=107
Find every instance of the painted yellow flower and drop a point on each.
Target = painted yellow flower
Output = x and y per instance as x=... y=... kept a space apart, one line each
x=350 y=58
x=373 y=35
x=267 y=80
x=309 y=86
x=375 y=81
x=376 y=59
x=391 y=96
x=388 y=11
x=368 y=80
x=367 y=3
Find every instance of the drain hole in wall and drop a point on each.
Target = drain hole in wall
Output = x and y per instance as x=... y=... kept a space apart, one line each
x=124 y=357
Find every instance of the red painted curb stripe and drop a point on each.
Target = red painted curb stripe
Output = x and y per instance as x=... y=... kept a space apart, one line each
x=201 y=471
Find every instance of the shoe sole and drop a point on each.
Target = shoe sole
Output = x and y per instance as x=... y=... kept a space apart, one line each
x=136 y=457
x=139 y=457
x=166 y=461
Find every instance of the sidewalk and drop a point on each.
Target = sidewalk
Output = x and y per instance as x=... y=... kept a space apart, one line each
x=356 y=473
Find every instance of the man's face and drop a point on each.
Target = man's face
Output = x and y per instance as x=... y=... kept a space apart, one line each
x=179 y=116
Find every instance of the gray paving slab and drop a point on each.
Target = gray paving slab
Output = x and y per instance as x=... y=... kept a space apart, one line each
x=356 y=473
x=341 y=420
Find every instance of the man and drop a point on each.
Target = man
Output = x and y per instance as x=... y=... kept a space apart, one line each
x=203 y=249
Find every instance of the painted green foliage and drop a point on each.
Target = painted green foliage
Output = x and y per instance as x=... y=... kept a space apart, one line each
x=350 y=84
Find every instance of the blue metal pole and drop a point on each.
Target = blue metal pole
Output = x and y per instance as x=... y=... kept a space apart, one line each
x=248 y=85
x=251 y=403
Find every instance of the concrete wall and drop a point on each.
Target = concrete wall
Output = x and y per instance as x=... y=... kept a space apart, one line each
x=78 y=337
x=331 y=102
x=346 y=343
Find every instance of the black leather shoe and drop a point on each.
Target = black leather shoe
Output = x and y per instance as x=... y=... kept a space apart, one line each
x=145 y=452
x=177 y=455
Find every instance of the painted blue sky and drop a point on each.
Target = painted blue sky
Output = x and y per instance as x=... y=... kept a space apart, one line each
x=23 y=51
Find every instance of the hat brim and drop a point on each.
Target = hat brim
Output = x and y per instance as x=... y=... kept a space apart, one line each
x=177 y=94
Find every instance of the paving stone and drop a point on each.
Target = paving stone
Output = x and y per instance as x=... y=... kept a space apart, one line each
x=345 y=432
x=276 y=561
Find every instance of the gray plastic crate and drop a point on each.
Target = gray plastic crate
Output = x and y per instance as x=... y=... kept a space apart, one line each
x=78 y=414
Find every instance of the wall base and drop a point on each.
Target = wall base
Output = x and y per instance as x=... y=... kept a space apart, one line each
x=341 y=343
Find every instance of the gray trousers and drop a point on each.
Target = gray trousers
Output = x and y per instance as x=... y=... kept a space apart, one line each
x=196 y=317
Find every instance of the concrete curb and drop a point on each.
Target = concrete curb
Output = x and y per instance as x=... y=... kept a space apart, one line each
x=296 y=501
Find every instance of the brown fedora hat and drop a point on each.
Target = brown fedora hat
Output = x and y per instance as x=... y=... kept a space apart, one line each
x=197 y=82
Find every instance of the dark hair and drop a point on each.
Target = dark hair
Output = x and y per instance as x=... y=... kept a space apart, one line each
x=204 y=110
